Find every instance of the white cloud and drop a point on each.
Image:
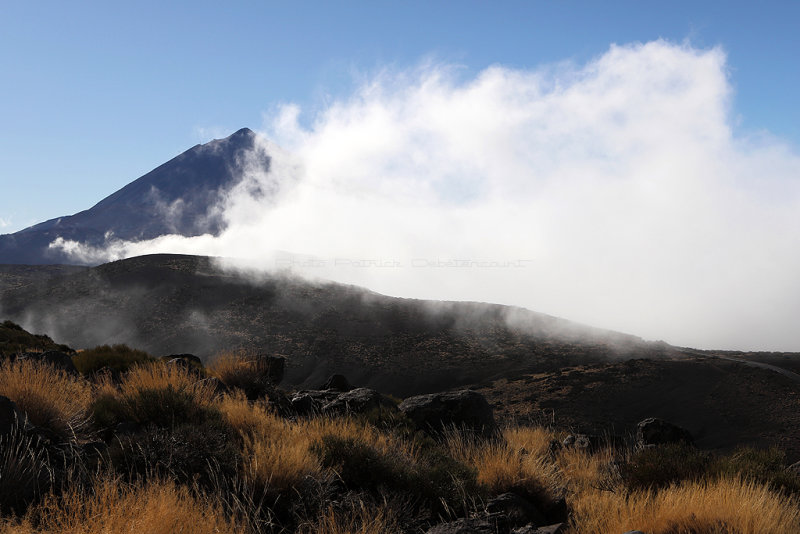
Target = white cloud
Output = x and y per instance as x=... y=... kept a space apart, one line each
x=612 y=193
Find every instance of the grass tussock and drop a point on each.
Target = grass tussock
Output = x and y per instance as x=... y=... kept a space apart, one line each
x=518 y=462
x=53 y=400
x=360 y=518
x=245 y=371
x=155 y=393
x=111 y=506
x=726 y=505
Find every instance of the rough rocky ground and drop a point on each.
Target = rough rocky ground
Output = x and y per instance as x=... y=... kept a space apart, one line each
x=723 y=404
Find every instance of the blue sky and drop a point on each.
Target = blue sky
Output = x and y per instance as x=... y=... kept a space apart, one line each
x=95 y=94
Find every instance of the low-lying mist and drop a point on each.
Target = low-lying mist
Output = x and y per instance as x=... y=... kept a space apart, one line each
x=616 y=193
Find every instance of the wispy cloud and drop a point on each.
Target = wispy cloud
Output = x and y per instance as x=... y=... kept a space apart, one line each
x=613 y=193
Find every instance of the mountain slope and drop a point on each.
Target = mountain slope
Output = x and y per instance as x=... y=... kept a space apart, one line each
x=177 y=197
x=170 y=303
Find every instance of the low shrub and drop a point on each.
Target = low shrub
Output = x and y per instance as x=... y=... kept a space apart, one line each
x=765 y=466
x=186 y=453
x=428 y=473
x=55 y=401
x=115 y=358
x=663 y=465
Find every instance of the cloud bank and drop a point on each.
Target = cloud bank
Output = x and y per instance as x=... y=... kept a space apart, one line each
x=613 y=193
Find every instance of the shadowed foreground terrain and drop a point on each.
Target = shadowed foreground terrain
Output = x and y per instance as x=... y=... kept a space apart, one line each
x=111 y=438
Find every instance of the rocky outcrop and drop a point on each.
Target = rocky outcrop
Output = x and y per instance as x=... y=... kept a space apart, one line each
x=337 y=383
x=58 y=359
x=654 y=431
x=357 y=401
x=463 y=409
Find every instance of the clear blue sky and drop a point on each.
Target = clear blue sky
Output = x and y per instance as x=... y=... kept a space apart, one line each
x=95 y=94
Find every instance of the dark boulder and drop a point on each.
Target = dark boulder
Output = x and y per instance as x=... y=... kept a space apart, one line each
x=463 y=409
x=189 y=360
x=10 y=416
x=310 y=402
x=463 y=526
x=58 y=359
x=514 y=511
x=654 y=431
x=337 y=383
x=357 y=401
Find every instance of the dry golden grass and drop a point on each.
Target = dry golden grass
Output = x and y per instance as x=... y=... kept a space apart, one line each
x=52 y=398
x=716 y=507
x=159 y=376
x=277 y=453
x=521 y=460
x=582 y=472
x=111 y=507
x=361 y=519
x=242 y=370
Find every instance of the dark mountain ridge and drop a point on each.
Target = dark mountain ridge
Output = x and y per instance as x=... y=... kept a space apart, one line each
x=178 y=197
x=172 y=303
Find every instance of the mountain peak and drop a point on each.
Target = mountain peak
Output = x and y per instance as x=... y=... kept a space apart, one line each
x=178 y=197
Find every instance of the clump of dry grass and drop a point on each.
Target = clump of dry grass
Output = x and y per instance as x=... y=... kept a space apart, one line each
x=160 y=376
x=156 y=507
x=277 y=452
x=155 y=393
x=519 y=461
x=243 y=370
x=357 y=519
x=52 y=398
x=708 y=507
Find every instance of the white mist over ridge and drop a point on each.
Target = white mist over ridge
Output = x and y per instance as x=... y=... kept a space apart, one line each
x=613 y=194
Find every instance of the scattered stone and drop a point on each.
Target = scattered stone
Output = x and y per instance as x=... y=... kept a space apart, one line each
x=515 y=511
x=305 y=404
x=654 y=431
x=358 y=401
x=337 y=383
x=463 y=526
x=462 y=409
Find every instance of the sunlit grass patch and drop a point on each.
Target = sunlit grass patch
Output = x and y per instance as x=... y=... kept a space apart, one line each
x=53 y=399
x=112 y=506
x=707 y=507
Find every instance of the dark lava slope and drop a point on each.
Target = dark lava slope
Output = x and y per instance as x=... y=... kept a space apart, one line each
x=170 y=303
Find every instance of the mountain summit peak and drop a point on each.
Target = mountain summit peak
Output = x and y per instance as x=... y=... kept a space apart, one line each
x=177 y=197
